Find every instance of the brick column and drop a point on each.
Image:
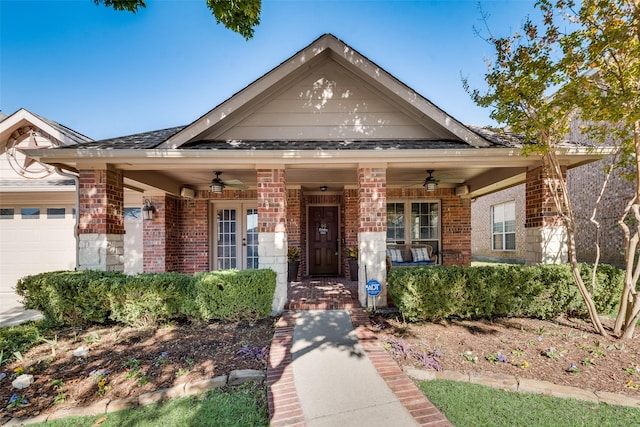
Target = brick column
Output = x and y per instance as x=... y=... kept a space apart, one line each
x=372 y=230
x=456 y=229
x=272 y=232
x=546 y=237
x=101 y=225
x=160 y=236
x=294 y=224
x=351 y=223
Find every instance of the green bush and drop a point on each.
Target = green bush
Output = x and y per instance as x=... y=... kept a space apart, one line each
x=544 y=291
x=87 y=297
x=232 y=294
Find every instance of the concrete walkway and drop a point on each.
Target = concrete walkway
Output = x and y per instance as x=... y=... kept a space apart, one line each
x=326 y=369
x=12 y=312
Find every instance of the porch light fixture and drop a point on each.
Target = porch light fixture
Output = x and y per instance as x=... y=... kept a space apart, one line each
x=148 y=210
x=323 y=188
x=430 y=183
x=216 y=187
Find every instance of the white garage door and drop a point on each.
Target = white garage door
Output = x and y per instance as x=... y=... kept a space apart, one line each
x=38 y=239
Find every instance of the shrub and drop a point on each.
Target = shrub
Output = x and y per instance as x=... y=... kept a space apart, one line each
x=232 y=294
x=544 y=291
x=85 y=297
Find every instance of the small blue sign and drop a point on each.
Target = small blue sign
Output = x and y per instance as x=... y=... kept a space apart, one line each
x=373 y=288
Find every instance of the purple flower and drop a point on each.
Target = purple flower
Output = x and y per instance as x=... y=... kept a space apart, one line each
x=502 y=358
x=539 y=339
x=14 y=398
x=3 y=376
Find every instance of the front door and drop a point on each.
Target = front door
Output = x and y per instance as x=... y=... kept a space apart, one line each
x=236 y=236
x=323 y=240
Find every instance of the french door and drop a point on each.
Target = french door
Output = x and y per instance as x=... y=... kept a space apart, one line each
x=235 y=236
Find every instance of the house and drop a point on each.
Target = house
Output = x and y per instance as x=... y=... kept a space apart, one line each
x=324 y=152
x=38 y=204
x=498 y=232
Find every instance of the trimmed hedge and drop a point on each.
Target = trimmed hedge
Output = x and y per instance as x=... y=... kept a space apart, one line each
x=86 y=297
x=544 y=291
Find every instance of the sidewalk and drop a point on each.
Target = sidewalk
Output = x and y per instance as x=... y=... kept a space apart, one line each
x=326 y=372
x=12 y=313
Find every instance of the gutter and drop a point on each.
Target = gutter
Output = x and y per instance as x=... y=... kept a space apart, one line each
x=76 y=180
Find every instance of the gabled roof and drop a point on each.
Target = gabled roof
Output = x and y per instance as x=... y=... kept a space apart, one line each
x=61 y=135
x=325 y=48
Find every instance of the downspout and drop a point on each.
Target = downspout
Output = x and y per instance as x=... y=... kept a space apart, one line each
x=76 y=181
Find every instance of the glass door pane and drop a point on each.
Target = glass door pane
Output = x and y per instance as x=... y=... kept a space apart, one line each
x=227 y=239
x=251 y=242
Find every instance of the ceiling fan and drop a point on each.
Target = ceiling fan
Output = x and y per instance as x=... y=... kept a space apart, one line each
x=218 y=185
x=431 y=182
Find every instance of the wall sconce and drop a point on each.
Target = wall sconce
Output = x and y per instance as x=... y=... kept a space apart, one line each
x=323 y=188
x=148 y=210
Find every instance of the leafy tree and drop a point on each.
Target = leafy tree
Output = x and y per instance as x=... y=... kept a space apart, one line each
x=593 y=71
x=520 y=79
x=608 y=42
x=241 y=16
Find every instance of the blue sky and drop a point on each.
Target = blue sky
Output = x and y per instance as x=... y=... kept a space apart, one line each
x=106 y=73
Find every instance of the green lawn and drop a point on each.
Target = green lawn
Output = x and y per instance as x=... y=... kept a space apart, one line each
x=243 y=406
x=466 y=404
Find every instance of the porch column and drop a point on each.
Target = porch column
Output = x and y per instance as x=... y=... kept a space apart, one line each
x=372 y=230
x=159 y=235
x=101 y=219
x=546 y=237
x=272 y=230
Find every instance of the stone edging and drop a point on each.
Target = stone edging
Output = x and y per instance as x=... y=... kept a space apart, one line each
x=524 y=385
x=106 y=406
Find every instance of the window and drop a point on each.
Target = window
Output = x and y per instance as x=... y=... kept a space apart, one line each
x=30 y=213
x=132 y=213
x=422 y=225
x=503 y=227
x=6 y=213
x=55 y=213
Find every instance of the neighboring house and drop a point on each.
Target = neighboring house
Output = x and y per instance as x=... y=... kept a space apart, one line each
x=498 y=219
x=324 y=152
x=38 y=204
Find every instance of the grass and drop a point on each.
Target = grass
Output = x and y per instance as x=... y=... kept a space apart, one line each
x=233 y=407
x=466 y=404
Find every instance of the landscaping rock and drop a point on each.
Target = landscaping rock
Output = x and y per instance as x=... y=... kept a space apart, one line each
x=121 y=404
x=550 y=389
x=241 y=376
x=80 y=411
x=452 y=376
x=501 y=381
x=205 y=385
x=81 y=351
x=23 y=381
x=618 y=399
x=421 y=374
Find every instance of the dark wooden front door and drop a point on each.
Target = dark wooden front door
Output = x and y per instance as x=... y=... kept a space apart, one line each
x=323 y=240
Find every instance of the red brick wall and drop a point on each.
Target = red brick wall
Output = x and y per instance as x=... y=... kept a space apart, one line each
x=540 y=207
x=294 y=222
x=372 y=199
x=272 y=201
x=193 y=238
x=101 y=201
x=351 y=223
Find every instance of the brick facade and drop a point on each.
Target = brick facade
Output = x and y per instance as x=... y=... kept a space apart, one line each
x=540 y=207
x=272 y=201
x=351 y=224
x=101 y=197
x=372 y=200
